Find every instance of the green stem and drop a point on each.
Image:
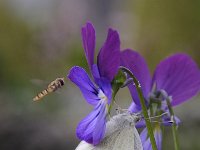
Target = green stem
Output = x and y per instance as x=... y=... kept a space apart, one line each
x=110 y=106
x=144 y=109
x=174 y=125
x=115 y=90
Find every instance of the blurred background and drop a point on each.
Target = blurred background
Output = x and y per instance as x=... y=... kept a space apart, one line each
x=40 y=41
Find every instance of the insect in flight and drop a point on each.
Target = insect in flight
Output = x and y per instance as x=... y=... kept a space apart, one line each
x=121 y=134
x=52 y=87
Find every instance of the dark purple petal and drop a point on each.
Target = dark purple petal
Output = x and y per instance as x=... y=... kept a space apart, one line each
x=105 y=86
x=92 y=128
x=137 y=65
x=179 y=76
x=78 y=76
x=88 y=37
x=109 y=56
x=95 y=72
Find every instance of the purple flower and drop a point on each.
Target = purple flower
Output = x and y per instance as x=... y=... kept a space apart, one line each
x=176 y=77
x=98 y=93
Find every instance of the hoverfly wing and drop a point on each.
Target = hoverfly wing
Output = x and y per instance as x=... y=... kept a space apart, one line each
x=39 y=82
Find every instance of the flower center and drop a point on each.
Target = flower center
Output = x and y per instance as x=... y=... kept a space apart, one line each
x=160 y=95
x=159 y=98
x=102 y=96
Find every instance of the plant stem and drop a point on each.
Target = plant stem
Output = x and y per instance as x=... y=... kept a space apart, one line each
x=174 y=125
x=144 y=109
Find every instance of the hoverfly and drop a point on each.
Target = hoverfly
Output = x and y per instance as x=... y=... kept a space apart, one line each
x=52 y=87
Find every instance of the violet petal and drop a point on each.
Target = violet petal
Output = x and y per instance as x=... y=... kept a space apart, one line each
x=134 y=108
x=108 y=59
x=143 y=135
x=158 y=138
x=179 y=76
x=137 y=65
x=88 y=38
x=167 y=121
x=92 y=128
x=95 y=72
x=79 y=76
x=140 y=124
x=105 y=86
x=146 y=140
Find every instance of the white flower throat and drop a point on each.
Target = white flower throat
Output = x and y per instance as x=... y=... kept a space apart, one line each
x=102 y=96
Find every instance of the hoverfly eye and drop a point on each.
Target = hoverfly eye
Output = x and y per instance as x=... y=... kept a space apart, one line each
x=62 y=82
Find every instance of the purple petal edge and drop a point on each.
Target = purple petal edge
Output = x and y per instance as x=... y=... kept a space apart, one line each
x=146 y=140
x=108 y=59
x=79 y=77
x=88 y=38
x=179 y=76
x=106 y=88
x=92 y=128
x=137 y=65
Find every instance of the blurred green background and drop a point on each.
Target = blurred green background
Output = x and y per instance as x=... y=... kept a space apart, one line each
x=40 y=40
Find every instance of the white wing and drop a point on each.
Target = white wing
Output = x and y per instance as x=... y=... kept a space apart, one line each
x=137 y=141
x=85 y=146
x=108 y=142
x=125 y=139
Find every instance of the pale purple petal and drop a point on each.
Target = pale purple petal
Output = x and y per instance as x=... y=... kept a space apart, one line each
x=79 y=77
x=92 y=128
x=137 y=65
x=158 y=138
x=147 y=145
x=88 y=37
x=146 y=140
x=179 y=76
x=167 y=121
x=109 y=56
x=134 y=108
x=100 y=126
x=140 y=124
x=105 y=86
x=143 y=135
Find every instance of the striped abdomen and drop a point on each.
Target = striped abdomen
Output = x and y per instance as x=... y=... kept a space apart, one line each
x=53 y=86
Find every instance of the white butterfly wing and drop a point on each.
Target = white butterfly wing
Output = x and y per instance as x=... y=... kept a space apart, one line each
x=120 y=135
x=125 y=140
x=137 y=140
x=85 y=146
x=128 y=139
x=108 y=142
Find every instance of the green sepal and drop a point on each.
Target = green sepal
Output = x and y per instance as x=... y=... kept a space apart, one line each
x=116 y=83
